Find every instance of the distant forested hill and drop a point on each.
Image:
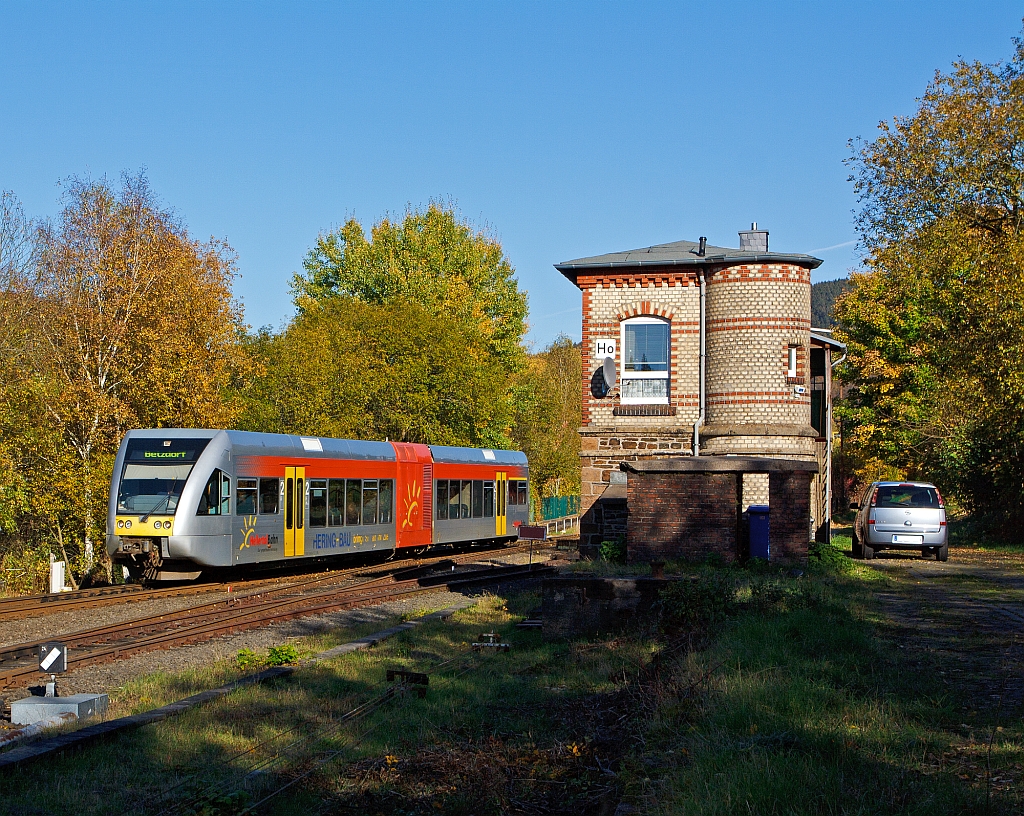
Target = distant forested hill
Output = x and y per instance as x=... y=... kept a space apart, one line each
x=823 y=296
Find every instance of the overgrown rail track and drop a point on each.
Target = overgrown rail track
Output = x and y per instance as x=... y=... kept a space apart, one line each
x=260 y=607
x=28 y=606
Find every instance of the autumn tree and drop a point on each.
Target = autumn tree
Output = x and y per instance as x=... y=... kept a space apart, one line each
x=430 y=258
x=350 y=369
x=547 y=424
x=455 y=320
x=17 y=259
x=935 y=324
x=128 y=322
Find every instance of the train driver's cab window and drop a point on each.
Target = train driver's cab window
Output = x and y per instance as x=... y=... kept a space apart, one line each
x=317 y=502
x=645 y=353
x=216 y=497
x=245 y=497
x=270 y=497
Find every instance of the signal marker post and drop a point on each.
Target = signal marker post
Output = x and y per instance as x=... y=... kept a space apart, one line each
x=53 y=659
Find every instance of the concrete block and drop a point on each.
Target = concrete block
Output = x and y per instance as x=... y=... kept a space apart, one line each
x=33 y=709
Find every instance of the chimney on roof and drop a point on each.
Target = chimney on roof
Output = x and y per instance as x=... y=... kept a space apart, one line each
x=754 y=240
x=702 y=248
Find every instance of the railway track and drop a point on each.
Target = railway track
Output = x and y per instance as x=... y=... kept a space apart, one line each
x=26 y=606
x=258 y=607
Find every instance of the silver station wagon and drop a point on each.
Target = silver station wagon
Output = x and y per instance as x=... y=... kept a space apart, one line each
x=900 y=516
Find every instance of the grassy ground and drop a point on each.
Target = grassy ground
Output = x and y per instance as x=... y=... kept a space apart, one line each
x=806 y=699
x=822 y=705
x=541 y=708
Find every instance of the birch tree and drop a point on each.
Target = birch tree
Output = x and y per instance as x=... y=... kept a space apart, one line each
x=134 y=323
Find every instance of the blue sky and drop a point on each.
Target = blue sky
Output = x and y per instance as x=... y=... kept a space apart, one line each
x=567 y=129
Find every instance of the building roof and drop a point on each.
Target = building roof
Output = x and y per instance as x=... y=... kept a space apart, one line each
x=719 y=464
x=680 y=253
x=821 y=338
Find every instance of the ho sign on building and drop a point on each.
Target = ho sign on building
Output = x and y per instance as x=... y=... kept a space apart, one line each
x=604 y=348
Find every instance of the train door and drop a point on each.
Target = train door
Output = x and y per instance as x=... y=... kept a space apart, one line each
x=294 y=511
x=500 y=504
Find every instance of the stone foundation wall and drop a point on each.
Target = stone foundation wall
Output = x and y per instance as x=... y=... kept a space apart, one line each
x=603 y=452
x=580 y=606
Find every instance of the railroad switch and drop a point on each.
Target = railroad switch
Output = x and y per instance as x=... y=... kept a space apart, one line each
x=491 y=643
x=409 y=681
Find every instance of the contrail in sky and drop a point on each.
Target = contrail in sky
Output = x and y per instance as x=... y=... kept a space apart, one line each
x=827 y=249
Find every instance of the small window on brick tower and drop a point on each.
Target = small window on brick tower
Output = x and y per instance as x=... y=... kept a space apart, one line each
x=645 y=361
x=791 y=362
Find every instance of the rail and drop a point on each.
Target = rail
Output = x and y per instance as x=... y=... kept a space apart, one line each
x=258 y=607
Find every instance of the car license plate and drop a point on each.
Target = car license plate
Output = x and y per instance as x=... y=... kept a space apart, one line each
x=907 y=539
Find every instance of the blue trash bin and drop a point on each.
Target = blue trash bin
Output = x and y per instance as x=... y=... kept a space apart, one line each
x=757 y=514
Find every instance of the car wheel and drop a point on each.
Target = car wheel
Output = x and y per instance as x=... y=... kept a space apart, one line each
x=867 y=553
x=943 y=553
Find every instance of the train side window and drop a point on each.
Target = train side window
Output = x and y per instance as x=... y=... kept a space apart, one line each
x=336 y=503
x=453 y=499
x=353 y=501
x=369 y=501
x=387 y=489
x=245 y=500
x=513 y=493
x=442 y=498
x=478 y=498
x=317 y=502
x=488 y=499
x=216 y=497
x=270 y=497
x=465 y=499
x=289 y=503
x=524 y=494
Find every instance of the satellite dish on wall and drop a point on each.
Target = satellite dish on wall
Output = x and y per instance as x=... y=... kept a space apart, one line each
x=608 y=371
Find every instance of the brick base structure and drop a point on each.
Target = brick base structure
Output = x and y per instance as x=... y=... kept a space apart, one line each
x=688 y=508
x=789 y=517
x=682 y=516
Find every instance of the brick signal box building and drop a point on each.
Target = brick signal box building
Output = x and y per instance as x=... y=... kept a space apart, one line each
x=713 y=355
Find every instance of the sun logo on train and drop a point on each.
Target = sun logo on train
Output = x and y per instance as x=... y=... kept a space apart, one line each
x=412 y=504
x=248 y=529
x=249 y=537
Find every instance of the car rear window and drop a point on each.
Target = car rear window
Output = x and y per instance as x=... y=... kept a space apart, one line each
x=906 y=496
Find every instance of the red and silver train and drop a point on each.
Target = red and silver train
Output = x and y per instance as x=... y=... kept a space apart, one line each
x=182 y=500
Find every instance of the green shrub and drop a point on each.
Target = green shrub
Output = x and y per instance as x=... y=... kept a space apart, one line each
x=827 y=558
x=248 y=659
x=282 y=655
x=701 y=603
x=613 y=551
x=767 y=595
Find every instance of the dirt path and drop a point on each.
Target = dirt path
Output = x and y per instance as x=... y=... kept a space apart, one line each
x=964 y=620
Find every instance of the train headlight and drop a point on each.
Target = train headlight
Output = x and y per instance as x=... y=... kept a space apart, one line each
x=158 y=524
x=128 y=524
x=120 y=522
x=167 y=526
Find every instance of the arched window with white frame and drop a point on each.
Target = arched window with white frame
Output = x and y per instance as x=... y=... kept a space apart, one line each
x=645 y=361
